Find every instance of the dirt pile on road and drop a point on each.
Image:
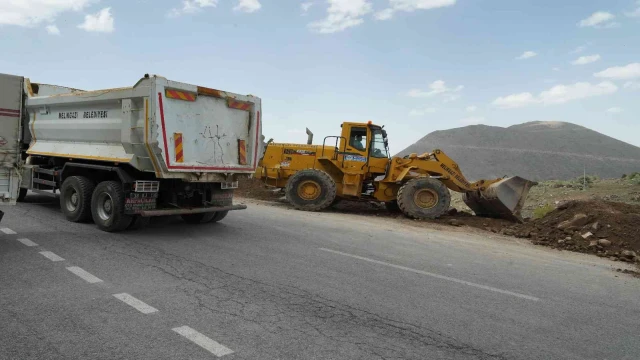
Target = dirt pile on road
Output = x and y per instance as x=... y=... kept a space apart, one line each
x=607 y=229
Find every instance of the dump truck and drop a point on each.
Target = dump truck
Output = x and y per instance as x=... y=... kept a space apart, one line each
x=120 y=156
x=357 y=166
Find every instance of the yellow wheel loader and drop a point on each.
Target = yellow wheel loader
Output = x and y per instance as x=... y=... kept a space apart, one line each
x=356 y=166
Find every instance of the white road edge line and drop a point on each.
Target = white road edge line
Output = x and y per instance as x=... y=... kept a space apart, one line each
x=442 y=277
x=27 y=242
x=204 y=342
x=84 y=275
x=8 y=231
x=51 y=256
x=135 y=303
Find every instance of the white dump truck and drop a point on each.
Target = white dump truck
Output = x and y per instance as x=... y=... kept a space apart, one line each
x=120 y=156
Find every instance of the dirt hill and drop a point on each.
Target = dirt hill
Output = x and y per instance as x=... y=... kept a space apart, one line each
x=538 y=150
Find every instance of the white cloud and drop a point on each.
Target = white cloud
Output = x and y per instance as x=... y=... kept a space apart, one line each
x=341 y=15
x=472 y=120
x=556 y=69
x=626 y=72
x=471 y=108
x=435 y=88
x=422 y=112
x=411 y=6
x=583 y=60
x=558 y=94
x=614 y=110
x=102 y=21
x=561 y=94
x=514 y=101
x=385 y=14
x=526 y=55
x=53 y=29
x=579 y=49
x=632 y=85
x=248 y=6
x=599 y=19
x=191 y=7
x=305 y=6
x=635 y=13
x=34 y=12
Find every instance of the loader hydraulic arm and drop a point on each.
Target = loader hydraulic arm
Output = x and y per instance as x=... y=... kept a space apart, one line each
x=439 y=165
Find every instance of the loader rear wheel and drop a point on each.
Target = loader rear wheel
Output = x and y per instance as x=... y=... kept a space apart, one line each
x=107 y=207
x=311 y=190
x=22 y=194
x=75 y=198
x=424 y=198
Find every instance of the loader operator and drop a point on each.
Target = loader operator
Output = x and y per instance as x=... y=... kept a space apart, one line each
x=356 y=142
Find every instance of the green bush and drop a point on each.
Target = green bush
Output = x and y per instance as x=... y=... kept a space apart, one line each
x=581 y=181
x=634 y=178
x=543 y=210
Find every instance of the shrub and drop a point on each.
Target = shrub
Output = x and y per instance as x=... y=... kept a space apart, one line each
x=543 y=210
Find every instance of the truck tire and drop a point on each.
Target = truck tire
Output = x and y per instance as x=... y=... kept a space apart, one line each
x=22 y=194
x=219 y=215
x=107 y=207
x=424 y=198
x=75 y=198
x=311 y=190
x=199 y=218
x=139 y=222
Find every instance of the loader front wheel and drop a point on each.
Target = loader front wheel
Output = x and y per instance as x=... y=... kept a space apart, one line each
x=311 y=190
x=424 y=198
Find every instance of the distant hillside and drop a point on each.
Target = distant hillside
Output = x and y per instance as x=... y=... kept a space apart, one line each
x=536 y=150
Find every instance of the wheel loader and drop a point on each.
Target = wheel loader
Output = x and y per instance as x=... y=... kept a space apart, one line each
x=357 y=166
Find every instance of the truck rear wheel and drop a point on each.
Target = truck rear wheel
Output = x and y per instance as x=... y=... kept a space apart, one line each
x=75 y=198
x=424 y=198
x=22 y=194
x=139 y=222
x=107 y=207
x=311 y=190
x=219 y=215
x=199 y=218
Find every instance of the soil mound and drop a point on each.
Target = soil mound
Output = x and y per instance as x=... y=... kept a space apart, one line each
x=604 y=228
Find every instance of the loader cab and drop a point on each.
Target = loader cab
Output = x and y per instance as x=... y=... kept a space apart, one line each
x=365 y=148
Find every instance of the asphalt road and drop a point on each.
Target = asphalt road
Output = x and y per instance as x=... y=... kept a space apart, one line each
x=274 y=283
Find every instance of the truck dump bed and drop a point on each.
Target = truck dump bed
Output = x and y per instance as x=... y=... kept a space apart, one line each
x=172 y=129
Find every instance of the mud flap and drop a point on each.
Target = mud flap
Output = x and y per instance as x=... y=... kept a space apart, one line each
x=503 y=199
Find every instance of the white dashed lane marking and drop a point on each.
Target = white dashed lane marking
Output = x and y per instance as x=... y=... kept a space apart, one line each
x=84 y=275
x=204 y=342
x=8 y=231
x=27 y=242
x=51 y=256
x=437 y=276
x=135 y=303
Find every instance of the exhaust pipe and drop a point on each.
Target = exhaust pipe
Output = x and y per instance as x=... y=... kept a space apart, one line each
x=309 y=137
x=503 y=199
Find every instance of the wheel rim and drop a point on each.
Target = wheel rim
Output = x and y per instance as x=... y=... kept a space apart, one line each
x=426 y=198
x=72 y=200
x=105 y=206
x=309 y=190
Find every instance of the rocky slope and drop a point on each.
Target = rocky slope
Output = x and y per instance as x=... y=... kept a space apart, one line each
x=535 y=150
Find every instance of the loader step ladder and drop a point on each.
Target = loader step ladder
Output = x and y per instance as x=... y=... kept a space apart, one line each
x=43 y=181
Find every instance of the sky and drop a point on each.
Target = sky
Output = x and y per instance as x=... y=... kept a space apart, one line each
x=414 y=66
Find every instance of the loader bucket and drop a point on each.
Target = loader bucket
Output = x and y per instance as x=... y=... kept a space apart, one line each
x=503 y=199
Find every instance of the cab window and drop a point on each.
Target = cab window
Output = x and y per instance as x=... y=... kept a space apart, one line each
x=358 y=139
x=379 y=149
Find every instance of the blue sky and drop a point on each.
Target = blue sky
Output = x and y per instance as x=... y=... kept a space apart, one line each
x=414 y=65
